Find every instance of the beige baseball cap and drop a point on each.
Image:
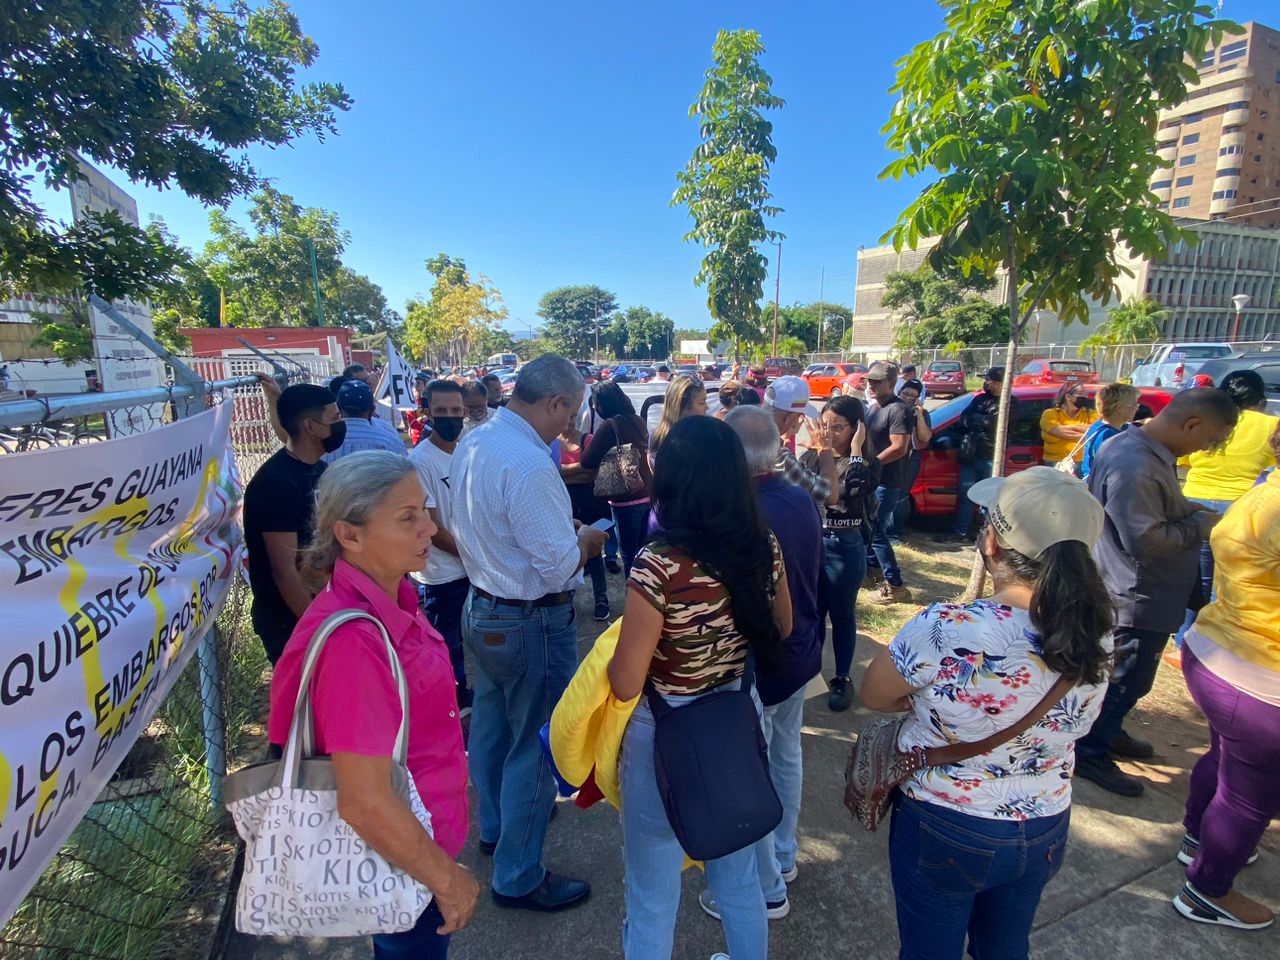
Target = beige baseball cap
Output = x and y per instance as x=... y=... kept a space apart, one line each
x=1036 y=508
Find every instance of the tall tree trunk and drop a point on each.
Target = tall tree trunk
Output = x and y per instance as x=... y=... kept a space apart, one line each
x=978 y=574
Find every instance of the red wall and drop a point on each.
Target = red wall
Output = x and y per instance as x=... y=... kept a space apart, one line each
x=215 y=341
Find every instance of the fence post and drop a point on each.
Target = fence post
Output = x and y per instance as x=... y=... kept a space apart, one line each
x=181 y=372
x=213 y=718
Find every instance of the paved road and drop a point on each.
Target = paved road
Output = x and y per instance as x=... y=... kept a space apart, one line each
x=1111 y=899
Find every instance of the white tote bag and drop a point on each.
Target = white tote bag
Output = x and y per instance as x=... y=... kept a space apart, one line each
x=306 y=871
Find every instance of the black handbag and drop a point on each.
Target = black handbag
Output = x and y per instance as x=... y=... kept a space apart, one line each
x=712 y=766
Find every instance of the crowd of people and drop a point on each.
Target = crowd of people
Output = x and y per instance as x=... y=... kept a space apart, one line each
x=738 y=546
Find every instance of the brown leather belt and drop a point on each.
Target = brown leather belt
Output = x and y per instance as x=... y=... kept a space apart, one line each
x=546 y=600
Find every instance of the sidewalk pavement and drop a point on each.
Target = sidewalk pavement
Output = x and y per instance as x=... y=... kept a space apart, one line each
x=1111 y=899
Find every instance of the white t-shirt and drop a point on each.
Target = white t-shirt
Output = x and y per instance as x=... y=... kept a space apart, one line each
x=977 y=670
x=433 y=466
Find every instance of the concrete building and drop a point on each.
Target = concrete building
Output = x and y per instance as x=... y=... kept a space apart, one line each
x=1221 y=146
x=1195 y=282
x=874 y=325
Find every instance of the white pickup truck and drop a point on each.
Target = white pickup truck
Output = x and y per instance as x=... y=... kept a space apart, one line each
x=1173 y=364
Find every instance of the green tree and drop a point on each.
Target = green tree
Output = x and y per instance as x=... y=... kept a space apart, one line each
x=935 y=310
x=170 y=94
x=573 y=314
x=801 y=320
x=1138 y=320
x=491 y=341
x=725 y=186
x=1038 y=120
x=460 y=313
x=638 y=332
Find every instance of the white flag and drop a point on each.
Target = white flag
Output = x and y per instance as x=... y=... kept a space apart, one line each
x=395 y=389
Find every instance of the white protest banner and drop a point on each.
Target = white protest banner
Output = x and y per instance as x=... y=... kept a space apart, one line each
x=115 y=558
x=123 y=363
x=395 y=389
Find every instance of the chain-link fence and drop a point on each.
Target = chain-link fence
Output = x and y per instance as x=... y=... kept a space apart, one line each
x=145 y=872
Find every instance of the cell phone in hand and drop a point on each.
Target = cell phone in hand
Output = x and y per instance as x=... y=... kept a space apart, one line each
x=604 y=525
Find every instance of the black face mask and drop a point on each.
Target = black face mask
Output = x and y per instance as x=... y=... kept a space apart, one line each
x=337 y=434
x=449 y=428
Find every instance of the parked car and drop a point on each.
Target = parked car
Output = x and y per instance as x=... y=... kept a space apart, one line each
x=645 y=374
x=689 y=370
x=1173 y=364
x=936 y=486
x=775 y=367
x=825 y=379
x=1266 y=365
x=944 y=378
x=1056 y=372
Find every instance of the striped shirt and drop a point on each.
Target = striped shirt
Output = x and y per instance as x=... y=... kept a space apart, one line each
x=363 y=435
x=793 y=471
x=512 y=517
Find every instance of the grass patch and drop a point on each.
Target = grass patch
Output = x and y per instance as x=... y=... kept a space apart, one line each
x=932 y=575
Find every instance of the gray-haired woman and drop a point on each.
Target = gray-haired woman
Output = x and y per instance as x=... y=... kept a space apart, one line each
x=371 y=529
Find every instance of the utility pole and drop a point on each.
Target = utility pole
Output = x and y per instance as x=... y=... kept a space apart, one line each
x=822 y=283
x=777 y=291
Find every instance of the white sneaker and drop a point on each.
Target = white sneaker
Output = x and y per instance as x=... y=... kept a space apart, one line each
x=773 y=911
x=789 y=875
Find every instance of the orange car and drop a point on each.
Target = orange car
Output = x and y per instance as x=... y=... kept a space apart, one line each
x=826 y=379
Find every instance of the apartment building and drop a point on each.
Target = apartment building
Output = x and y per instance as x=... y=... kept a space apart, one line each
x=1221 y=146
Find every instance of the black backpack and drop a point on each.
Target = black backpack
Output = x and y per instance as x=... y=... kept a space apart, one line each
x=712 y=766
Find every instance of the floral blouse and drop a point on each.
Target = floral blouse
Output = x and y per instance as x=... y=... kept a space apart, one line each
x=977 y=670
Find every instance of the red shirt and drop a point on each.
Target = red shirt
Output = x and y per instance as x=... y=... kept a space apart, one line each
x=354 y=698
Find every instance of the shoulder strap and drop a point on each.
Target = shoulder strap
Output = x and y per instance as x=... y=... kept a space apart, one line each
x=959 y=752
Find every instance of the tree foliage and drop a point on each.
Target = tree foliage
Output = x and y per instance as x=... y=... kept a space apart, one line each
x=639 y=332
x=800 y=320
x=934 y=310
x=725 y=186
x=1137 y=320
x=1038 y=122
x=170 y=94
x=572 y=315
x=450 y=326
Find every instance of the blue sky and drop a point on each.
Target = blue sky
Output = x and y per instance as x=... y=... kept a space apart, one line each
x=540 y=142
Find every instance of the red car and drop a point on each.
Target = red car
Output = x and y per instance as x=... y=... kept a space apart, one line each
x=944 y=378
x=824 y=379
x=936 y=486
x=1056 y=372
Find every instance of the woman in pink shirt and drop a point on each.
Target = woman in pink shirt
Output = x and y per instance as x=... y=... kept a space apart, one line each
x=372 y=528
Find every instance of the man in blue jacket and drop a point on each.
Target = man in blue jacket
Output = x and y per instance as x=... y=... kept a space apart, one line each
x=793 y=517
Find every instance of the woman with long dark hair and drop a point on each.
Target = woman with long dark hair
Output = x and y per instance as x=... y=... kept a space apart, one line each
x=619 y=426
x=973 y=843
x=711 y=588
x=846 y=531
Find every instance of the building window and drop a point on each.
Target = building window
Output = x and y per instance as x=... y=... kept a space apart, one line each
x=1229 y=54
x=1185 y=181
x=1191 y=138
x=1162 y=185
x=1167 y=145
x=1208 y=58
x=1187 y=161
x=1162 y=205
x=1237 y=105
x=1228 y=172
x=1217 y=195
x=1180 y=202
x=1236 y=149
x=1193 y=118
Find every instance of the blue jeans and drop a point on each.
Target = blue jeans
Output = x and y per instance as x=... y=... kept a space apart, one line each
x=781 y=724
x=843 y=567
x=1137 y=660
x=956 y=875
x=594 y=569
x=524 y=657
x=970 y=473
x=904 y=494
x=443 y=603
x=880 y=553
x=420 y=943
x=632 y=523
x=652 y=859
x=1206 y=566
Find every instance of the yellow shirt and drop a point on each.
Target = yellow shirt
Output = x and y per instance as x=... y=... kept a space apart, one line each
x=1056 y=448
x=1229 y=474
x=1246 y=551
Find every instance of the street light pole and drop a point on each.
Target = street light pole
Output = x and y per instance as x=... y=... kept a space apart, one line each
x=1239 y=301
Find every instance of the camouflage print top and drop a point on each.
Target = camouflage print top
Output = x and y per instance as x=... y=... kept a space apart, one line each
x=700 y=648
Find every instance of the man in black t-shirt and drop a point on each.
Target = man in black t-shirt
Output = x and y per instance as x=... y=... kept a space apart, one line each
x=889 y=426
x=977 y=432
x=278 y=505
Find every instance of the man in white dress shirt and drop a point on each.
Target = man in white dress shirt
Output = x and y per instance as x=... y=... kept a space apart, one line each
x=514 y=528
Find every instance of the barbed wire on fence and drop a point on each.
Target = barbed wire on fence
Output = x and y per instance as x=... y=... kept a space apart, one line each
x=144 y=875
